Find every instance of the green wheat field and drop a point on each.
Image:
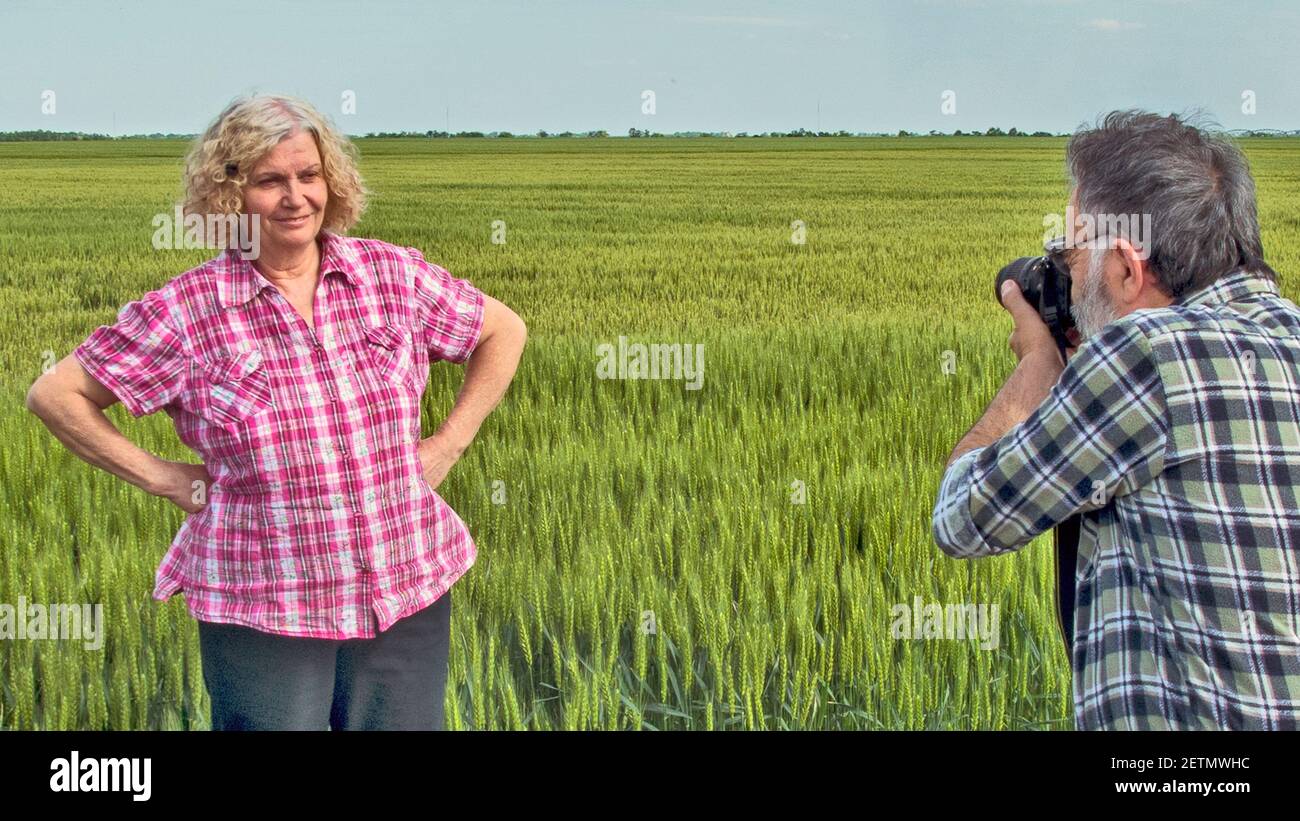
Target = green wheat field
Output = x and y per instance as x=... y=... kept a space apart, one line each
x=766 y=525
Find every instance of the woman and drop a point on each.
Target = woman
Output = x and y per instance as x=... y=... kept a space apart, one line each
x=317 y=559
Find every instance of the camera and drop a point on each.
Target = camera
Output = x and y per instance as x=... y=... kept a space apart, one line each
x=1045 y=283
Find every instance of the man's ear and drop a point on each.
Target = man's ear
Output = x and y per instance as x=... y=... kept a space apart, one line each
x=1137 y=273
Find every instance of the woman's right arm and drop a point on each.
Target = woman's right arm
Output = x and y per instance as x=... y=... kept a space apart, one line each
x=71 y=403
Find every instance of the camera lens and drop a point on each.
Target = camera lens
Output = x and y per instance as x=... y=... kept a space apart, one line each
x=1028 y=274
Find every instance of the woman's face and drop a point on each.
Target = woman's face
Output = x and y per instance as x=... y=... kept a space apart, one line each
x=288 y=193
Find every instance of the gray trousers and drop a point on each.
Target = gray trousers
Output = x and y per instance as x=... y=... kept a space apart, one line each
x=394 y=681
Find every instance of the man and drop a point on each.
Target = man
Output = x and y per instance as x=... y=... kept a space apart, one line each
x=1173 y=430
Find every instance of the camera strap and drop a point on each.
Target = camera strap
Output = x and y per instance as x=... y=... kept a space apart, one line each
x=1065 y=547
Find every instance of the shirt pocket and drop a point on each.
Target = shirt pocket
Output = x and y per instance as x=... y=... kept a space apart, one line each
x=237 y=387
x=391 y=353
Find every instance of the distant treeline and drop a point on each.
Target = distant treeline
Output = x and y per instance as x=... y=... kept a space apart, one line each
x=52 y=136
x=638 y=132
x=60 y=136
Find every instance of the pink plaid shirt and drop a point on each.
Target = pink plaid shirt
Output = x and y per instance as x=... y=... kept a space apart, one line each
x=319 y=521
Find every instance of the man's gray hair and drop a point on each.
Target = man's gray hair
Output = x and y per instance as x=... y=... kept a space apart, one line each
x=1191 y=179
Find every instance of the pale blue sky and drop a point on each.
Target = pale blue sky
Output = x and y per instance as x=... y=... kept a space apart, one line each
x=714 y=66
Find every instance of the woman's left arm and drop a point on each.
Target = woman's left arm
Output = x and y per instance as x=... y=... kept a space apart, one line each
x=488 y=373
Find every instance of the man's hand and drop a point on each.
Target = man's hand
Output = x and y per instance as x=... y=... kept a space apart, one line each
x=178 y=485
x=438 y=454
x=1038 y=369
x=1030 y=334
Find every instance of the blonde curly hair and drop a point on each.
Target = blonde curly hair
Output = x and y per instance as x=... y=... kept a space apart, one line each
x=220 y=159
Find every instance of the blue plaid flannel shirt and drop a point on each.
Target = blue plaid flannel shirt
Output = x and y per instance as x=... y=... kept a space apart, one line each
x=1175 y=432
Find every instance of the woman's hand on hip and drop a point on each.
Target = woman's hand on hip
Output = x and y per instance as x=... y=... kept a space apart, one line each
x=438 y=454
x=186 y=485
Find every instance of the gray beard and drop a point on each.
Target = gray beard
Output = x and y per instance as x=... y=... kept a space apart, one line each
x=1094 y=310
